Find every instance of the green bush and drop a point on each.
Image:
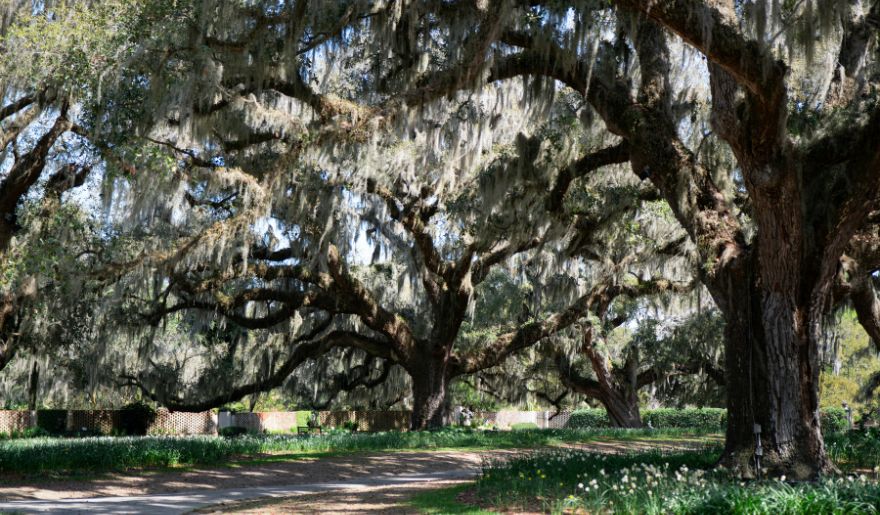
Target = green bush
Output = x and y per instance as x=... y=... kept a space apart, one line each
x=232 y=431
x=136 y=418
x=302 y=418
x=52 y=421
x=521 y=426
x=833 y=420
x=588 y=419
x=351 y=425
x=854 y=449
x=691 y=418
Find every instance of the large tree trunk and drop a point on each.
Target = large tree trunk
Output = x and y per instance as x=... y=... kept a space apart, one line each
x=429 y=383
x=772 y=380
x=617 y=390
x=623 y=409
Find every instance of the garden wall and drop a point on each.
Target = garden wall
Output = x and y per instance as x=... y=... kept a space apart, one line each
x=183 y=423
x=104 y=421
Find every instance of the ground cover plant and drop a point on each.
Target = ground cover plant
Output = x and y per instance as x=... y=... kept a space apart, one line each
x=855 y=450
x=567 y=480
x=116 y=453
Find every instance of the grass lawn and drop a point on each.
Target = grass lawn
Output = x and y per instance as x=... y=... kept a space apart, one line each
x=444 y=502
x=97 y=454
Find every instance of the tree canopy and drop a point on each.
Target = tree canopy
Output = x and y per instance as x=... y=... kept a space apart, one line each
x=329 y=184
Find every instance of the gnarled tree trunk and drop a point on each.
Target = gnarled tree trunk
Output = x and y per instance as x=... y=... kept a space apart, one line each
x=617 y=390
x=622 y=408
x=430 y=382
x=772 y=380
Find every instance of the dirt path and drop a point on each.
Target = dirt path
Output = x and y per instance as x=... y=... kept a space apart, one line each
x=355 y=483
x=288 y=473
x=386 y=500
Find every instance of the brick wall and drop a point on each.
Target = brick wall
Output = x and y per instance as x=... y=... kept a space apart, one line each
x=182 y=423
x=13 y=420
x=172 y=423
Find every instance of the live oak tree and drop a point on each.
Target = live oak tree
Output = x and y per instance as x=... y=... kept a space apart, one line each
x=787 y=91
x=756 y=123
x=247 y=214
x=44 y=153
x=681 y=364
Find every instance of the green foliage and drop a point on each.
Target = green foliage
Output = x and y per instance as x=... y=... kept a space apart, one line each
x=302 y=418
x=833 y=420
x=654 y=482
x=53 y=421
x=715 y=418
x=690 y=418
x=444 y=501
x=857 y=362
x=855 y=449
x=588 y=419
x=136 y=418
x=31 y=432
x=523 y=426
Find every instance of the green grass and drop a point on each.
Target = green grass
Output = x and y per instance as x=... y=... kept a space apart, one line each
x=37 y=455
x=855 y=449
x=682 y=482
x=444 y=501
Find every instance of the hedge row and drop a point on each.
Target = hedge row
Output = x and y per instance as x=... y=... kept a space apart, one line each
x=695 y=418
x=833 y=419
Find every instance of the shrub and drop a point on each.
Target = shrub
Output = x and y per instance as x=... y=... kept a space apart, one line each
x=34 y=432
x=302 y=418
x=136 y=418
x=523 y=426
x=688 y=418
x=833 y=420
x=691 y=418
x=52 y=421
x=588 y=419
x=233 y=431
x=351 y=425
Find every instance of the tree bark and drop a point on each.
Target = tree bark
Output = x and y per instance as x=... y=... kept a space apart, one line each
x=772 y=380
x=430 y=383
x=623 y=409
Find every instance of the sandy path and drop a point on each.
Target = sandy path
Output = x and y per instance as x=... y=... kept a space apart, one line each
x=385 y=499
x=356 y=483
x=288 y=473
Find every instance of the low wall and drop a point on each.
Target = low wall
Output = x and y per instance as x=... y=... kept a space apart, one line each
x=184 y=423
x=13 y=420
x=166 y=423
x=505 y=419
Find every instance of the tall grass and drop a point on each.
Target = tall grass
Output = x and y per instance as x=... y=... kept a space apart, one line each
x=115 y=453
x=855 y=449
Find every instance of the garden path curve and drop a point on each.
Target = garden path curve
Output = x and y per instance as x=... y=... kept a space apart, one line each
x=283 y=475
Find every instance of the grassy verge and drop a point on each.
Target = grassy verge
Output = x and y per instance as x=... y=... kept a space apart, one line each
x=444 y=501
x=653 y=482
x=37 y=455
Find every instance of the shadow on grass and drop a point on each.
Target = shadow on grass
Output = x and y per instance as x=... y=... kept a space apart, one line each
x=444 y=501
x=281 y=457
